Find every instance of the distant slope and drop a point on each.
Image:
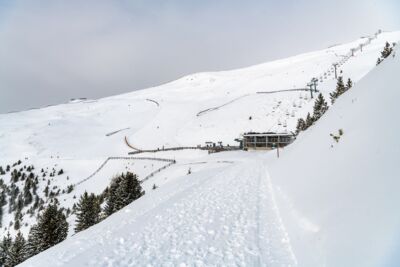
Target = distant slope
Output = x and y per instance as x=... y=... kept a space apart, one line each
x=81 y=129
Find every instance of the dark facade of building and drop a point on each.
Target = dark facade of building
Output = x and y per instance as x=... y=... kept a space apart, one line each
x=263 y=141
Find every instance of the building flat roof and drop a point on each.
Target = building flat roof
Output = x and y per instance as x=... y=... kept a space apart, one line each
x=268 y=134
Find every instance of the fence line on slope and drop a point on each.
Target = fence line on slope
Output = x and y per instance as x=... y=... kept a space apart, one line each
x=117 y=131
x=153 y=101
x=210 y=149
x=171 y=162
x=163 y=149
x=200 y=113
x=284 y=90
x=157 y=171
x=129 y=145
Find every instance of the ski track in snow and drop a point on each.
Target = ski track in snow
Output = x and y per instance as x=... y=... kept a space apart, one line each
x=274 y=229
x=234 y=212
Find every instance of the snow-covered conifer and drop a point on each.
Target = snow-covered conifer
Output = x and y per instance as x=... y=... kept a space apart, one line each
x=340 y=89
x=349 y=84
x=301 y=125
x=5 y=248
x=309 y=120
x=51 y=228
x=387 y=50
x=17 y=252
x=87 y=211
x=123 y=190
x=320 y=107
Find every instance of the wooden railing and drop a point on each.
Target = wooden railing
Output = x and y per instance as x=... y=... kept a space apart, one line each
x=210 y=149
x=170 y=162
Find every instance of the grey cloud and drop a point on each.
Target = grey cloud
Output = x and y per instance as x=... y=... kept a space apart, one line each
x=51 y=51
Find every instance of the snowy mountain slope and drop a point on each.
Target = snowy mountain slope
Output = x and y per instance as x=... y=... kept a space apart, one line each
x=321 y=203
x=79 y=136
x=341 y=199
x=79 y=129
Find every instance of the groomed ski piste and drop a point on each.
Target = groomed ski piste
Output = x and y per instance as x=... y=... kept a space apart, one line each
x=322 y=203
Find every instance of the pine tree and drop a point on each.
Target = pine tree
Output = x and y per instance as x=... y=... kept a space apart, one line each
x=17 y=224
x=17 y=252
x=309 y=120
x=46 y=191
x=51 y=228
x=15 y=176
x=13 y=196
x=123 y=190
x=387 y=50
x=340 y=89
x=349 y=84
x=34 y=242
x=129 y=190
x=133 y=188
x=320 y=107
x=34 y=186
x=87 y=212
x=301 y=125
x=3 y=200
x=5 y=248
x=27 y=198
x=121 y=193
x=340 y=83
x=1 y=216
x=112 y=196
x=379 y=60
x=20 y=203
x=36 y=202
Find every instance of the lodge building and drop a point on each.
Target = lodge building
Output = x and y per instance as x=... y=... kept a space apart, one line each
x=265 y=141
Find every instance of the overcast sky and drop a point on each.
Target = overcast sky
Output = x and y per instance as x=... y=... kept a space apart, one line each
x=51 y=51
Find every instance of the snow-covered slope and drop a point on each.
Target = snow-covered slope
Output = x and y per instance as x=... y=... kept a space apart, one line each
x=340 y=200
x=81 y=135
x=321 y=203
x=171 y=114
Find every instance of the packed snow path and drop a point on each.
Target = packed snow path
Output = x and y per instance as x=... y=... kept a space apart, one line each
x=226 y=218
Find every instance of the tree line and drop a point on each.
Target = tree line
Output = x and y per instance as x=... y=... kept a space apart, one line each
x=321 y=106
x=387 y=51
x=52 y=226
